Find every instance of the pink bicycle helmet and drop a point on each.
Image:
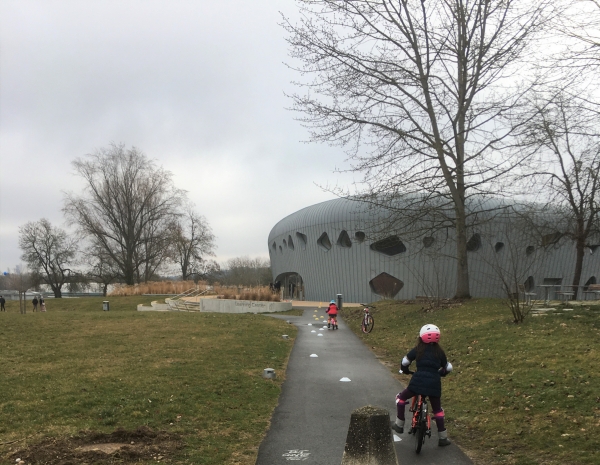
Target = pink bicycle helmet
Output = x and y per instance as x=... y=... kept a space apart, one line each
x=430 y=333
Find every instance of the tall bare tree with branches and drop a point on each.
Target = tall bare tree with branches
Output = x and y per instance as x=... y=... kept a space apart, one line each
x=192 y=241
x=49 y=252
x=126 y=209
x=419 y=93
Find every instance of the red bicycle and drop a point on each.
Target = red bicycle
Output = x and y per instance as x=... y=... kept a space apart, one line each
x=332 y=322
x=421 y=422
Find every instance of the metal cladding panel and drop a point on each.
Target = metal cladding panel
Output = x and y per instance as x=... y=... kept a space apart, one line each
x=348 y=270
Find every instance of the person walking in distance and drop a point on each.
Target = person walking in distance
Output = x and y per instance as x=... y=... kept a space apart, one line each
x=2 y=303
x=35 y=303
x=432 y=364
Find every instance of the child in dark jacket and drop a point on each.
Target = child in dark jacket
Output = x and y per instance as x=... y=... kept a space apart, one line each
x=426 y=381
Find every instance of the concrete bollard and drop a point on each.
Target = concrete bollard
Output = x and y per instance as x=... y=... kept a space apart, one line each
x=269 y=373
x=369 y=440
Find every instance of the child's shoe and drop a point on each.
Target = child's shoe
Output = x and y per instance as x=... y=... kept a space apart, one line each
x=398 y=427
x=443 y=438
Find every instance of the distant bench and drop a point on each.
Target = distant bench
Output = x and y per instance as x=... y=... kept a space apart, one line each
x=592 y=289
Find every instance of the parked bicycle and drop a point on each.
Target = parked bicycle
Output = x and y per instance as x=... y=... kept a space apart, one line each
x=367 y=322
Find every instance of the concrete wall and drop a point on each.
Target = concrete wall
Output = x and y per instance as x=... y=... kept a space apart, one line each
x=242 y=306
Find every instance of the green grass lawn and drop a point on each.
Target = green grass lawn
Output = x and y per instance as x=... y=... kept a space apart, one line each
x=519 y=394
x=76 y=373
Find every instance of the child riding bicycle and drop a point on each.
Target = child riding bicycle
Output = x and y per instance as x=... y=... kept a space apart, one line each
x=332 y=312
x=426 y=381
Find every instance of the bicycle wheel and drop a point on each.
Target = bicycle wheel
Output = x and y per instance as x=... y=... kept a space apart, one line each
x=367 y=324
x=420 y=433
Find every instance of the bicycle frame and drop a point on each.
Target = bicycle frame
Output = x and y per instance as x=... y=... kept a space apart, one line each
x=418 y=403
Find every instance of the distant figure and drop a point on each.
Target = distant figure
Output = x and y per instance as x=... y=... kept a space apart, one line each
x=35 y=303
x=42 y=304
x=2 y=302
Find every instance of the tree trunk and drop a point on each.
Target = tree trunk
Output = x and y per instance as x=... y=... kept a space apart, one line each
x=462 y=265
x=580 y=253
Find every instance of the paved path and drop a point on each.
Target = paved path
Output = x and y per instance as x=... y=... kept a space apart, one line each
x=310 y=423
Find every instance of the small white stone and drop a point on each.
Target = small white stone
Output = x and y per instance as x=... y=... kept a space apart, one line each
x=313 y=355
x=397 y=438
x=313 y=331
x=345 y=380
x=319 y=334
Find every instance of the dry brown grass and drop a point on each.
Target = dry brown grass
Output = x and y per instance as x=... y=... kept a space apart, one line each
x=159 y=287
x=262 y=293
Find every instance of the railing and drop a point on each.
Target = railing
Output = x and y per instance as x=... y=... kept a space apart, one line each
x=178 y=304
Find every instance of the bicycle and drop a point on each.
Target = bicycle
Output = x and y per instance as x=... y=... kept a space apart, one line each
x=332 y=323
x=367 y=322
x=421 y=421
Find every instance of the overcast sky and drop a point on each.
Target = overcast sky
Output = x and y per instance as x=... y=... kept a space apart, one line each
x=197 y=85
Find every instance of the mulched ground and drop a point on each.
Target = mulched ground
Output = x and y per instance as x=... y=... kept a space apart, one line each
x=89 y=447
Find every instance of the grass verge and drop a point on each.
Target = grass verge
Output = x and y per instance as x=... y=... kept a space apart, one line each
x=519 y=394
x=76 y=371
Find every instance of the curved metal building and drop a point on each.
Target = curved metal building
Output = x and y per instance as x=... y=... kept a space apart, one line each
x=328 y=249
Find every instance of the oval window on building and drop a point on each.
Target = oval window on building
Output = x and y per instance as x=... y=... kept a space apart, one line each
x=391 y=245
x=474 y=244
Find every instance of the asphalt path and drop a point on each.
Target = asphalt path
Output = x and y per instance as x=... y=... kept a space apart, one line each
x=330 y=374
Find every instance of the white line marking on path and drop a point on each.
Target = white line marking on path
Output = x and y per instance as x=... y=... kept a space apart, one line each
x=296 y=455
x=345 y=380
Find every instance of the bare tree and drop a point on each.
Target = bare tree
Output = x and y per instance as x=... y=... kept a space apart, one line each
x=49 y=252
x=102 y=269
x=126 y=209
x=419 y=93
x=192 y=241
x=565 y=133
x=246 y=271
x=209 y=271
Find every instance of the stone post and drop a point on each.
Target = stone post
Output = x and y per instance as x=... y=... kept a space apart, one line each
x=370 y=440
